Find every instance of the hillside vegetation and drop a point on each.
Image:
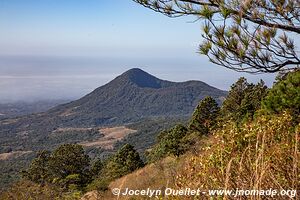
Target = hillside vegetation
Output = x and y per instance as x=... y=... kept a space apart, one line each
x=131 y=97
x=256 y=151
x=134 y=99
x=251 y=142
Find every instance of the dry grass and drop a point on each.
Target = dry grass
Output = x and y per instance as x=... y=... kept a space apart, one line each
x=111 y=136
x=154 y=176
x=13 y=154
x=259 y=155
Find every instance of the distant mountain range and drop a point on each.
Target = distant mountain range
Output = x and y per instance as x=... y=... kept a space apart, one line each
x=130 y=97
x=15 y=109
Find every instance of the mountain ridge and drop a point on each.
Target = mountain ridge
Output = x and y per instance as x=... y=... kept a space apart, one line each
x=140 y=90
x=133 y=96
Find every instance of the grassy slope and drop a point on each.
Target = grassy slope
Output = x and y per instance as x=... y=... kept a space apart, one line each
x=258 y=155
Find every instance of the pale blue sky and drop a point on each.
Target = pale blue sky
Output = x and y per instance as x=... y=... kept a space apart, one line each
x=66 y=48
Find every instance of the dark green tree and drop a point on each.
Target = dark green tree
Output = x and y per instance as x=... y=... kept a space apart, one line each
x=243 y=35
x=285 y=95
x=243 y=100
x=125 y=160
x=169 y=143
x=252 y=99
x=69 y=164
x=204 y=116
x=68 y=159
x=38 y=170
x=235 y=96
x=97 y=167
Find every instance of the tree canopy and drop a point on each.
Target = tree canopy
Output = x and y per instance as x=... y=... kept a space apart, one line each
x=204 y=116
x=67 y=165
x=285 y=95
x=244 y=35
x=243 y=100
x=125 y=160
x=169 y=142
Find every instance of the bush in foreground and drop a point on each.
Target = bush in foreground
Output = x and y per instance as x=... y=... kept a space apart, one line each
x=261 y=154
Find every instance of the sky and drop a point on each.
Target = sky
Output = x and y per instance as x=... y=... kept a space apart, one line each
x=54 y=49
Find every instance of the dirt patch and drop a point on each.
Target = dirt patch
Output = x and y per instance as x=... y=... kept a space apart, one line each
x=69 y=112
x=59 y=130
x=13 y=154
x=111 y=136
x=8 y=121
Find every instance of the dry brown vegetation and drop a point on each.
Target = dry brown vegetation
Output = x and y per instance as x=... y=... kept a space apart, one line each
x=13 y=154
x=111 y=136
x=157 y=175
x=259 y=155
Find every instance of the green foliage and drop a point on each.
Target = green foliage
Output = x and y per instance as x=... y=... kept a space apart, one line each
x=285 y=95
x=179 y=139
x=204 y=116
x=262 y=152
x=169 y=143
x=126 y=160
x=26 y=189
x=231 y=42
x=67 y=166
x=68 y=159
x=38 y=170
x=232 y=104
x=97 y=167
x=243 y=100
x=99 y=184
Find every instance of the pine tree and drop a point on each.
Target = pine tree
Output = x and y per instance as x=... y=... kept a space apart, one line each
x=126 y=160
x=285 y=95
x=38 y=170
x=68 y=159
x=170 y=142
x=97 y=167
x=204 y=116
x=243 y=35
x=243 y=100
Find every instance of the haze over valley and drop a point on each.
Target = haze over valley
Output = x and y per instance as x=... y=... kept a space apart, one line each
x=33 y=78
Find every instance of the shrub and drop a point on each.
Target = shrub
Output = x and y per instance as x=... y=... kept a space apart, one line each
x=285 y=95
x=261 y=154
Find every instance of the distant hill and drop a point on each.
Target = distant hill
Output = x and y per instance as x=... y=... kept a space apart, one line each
x=16 y=109
x=143 y=103
x=135 y=95
x=130 y=97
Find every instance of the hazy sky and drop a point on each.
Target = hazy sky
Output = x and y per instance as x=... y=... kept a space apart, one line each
x=66 y=48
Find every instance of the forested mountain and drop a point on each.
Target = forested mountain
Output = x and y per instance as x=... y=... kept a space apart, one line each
x=135 y=95
x=130 y=97
x=136 y=99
